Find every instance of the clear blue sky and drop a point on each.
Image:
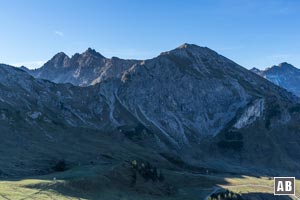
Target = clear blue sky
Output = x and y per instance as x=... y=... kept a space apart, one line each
x=253 y=33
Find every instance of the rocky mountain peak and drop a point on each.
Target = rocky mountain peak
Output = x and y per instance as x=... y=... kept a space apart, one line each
x=286 y=65
x=186 y=46
x=60 y=55
x=58 y=60
x=86 y=68
x=92 y=52
x=281 y=68
x=284 y=75
x=188 y=50
x=191 y=47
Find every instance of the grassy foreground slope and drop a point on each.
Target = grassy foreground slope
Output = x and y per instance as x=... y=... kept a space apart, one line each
x=109 y=181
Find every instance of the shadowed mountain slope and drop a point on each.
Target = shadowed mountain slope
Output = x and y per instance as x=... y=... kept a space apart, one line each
x=189 y=106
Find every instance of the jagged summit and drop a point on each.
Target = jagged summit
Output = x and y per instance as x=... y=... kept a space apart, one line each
x=91 y=67
x=86 y=53
x=61 y=59
x=86 y=68
x=92 y=52
x=58 y=60
x=60 y=55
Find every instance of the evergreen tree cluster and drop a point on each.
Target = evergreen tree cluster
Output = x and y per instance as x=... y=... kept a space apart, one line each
x=147 y=171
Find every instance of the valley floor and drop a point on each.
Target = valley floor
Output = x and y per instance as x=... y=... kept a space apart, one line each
x=113 y=182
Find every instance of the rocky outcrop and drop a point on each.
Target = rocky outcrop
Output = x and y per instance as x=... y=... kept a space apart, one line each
x=251 y=113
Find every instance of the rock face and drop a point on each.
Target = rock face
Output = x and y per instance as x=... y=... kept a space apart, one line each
x=189 y=100
x=284 y=75
x=251 y=114
x=182 y=95
x=35 y=99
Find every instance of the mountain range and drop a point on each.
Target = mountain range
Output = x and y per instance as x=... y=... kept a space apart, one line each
x=181 y=98
x=284 y=75
x=84 y=69
x=188 y=108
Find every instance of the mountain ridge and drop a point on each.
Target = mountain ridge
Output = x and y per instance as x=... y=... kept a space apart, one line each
x=284 y=75
x=188 y=103
x=82 y=69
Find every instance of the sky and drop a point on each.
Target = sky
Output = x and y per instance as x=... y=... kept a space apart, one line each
x=253 y=33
